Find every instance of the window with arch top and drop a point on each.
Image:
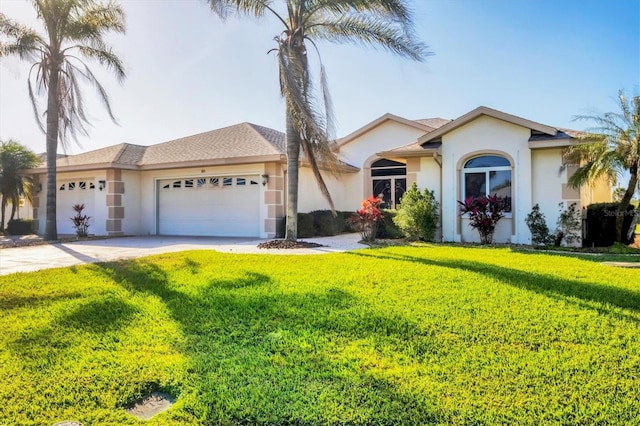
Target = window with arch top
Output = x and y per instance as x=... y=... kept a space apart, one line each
x=488 y=175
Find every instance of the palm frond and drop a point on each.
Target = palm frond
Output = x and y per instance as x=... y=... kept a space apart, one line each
x=94 y=21
x=106 y=58
x=368 y=30
x=24 y=41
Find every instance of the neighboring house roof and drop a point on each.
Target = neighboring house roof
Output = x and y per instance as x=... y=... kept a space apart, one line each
x=241 y=143
x=480 y=111
x=383 y=119
x=435 y=122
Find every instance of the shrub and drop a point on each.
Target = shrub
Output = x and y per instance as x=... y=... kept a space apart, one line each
x=418 y=214
x=601 y=224
x=366 y=219
x=537 y=224
x=348 y=226
x=484 y=214
x=387 y=228
x=325 y=223
x=569 y=225
x=20 y=227
x=305 y=226
x=80 y=221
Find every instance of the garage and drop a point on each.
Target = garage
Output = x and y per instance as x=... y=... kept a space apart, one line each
x=70 y=193
x=224 y=206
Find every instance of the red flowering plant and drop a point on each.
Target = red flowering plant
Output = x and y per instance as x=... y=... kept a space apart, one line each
x=80 y=221
x=484 y=214
x=366 y=219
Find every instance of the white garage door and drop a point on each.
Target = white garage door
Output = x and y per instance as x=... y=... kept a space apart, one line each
x=70 y=193
x=213 y=206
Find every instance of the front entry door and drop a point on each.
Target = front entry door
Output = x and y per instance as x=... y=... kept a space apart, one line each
x=391 y=190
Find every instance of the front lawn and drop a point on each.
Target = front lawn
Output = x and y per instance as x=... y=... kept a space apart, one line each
x=399 y=335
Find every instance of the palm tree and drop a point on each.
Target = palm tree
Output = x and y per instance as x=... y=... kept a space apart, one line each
x=610 y=149
x=379 y=23
x=74 y=32
x=14 y=159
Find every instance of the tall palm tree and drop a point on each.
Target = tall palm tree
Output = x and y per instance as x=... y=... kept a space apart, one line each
x=14 y=184
x=386 y=24
x=610 y=149
x=74 y=33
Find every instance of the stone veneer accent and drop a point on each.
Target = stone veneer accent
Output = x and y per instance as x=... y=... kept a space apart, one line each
x=115 y=189
x=274 y=198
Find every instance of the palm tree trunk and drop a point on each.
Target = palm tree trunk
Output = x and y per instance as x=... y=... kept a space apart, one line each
x=3 y=207
x=293 y=156
x=626 y=200
x=51 y=230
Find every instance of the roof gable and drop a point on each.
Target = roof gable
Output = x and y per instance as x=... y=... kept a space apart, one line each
x=480 y=111
x=379 y=121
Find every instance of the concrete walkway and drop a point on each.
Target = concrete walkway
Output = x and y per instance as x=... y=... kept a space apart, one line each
x=33 y=258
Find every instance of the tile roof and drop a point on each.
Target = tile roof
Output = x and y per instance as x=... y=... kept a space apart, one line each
x=123 y=153
x=240 y=140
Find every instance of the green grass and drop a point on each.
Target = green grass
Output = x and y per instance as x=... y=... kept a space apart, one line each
x=399 y=335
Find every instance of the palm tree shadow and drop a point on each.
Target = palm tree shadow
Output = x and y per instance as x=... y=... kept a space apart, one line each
x=541 y=283
x=226 y=325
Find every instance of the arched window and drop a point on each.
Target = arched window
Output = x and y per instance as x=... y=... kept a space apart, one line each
x=487 y=175
x=389 y=179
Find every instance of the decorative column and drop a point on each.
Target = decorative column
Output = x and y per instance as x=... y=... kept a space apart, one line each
x=115 y=189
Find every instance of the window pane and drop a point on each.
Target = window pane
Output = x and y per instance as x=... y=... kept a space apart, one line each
x=400 y=189
x=386 y=163
x=475 y=185
x=383 y=188
x=500 y=184
x=394 y=171
x=487 y=161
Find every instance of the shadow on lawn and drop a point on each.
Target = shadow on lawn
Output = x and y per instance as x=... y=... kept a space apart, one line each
x=246 y=341
x=541 y=283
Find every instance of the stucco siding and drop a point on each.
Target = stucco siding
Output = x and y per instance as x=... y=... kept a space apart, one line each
x=546 y=183
x=131 y=201
x=310 y=198
x=387 y=136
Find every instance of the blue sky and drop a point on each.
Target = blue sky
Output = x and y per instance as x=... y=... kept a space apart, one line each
x=188 y=72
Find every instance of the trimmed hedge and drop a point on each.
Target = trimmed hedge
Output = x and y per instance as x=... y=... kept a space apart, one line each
x=319 y=223
x=388 y=228
x=601 y=224
x=20 y=227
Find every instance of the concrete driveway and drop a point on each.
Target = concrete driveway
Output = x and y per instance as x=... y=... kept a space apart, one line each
x=33 y=258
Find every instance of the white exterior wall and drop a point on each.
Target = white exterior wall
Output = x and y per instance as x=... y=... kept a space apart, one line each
x=149 y=195
x=546 y=182
x=486 y=135
x=310 y=198
x=430 y=177
x=131 y=201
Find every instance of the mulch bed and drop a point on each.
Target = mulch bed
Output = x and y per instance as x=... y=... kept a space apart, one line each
x=286 y=244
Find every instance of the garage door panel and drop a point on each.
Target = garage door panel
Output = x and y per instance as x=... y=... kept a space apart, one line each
x=70 y=193
x=225 y=206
